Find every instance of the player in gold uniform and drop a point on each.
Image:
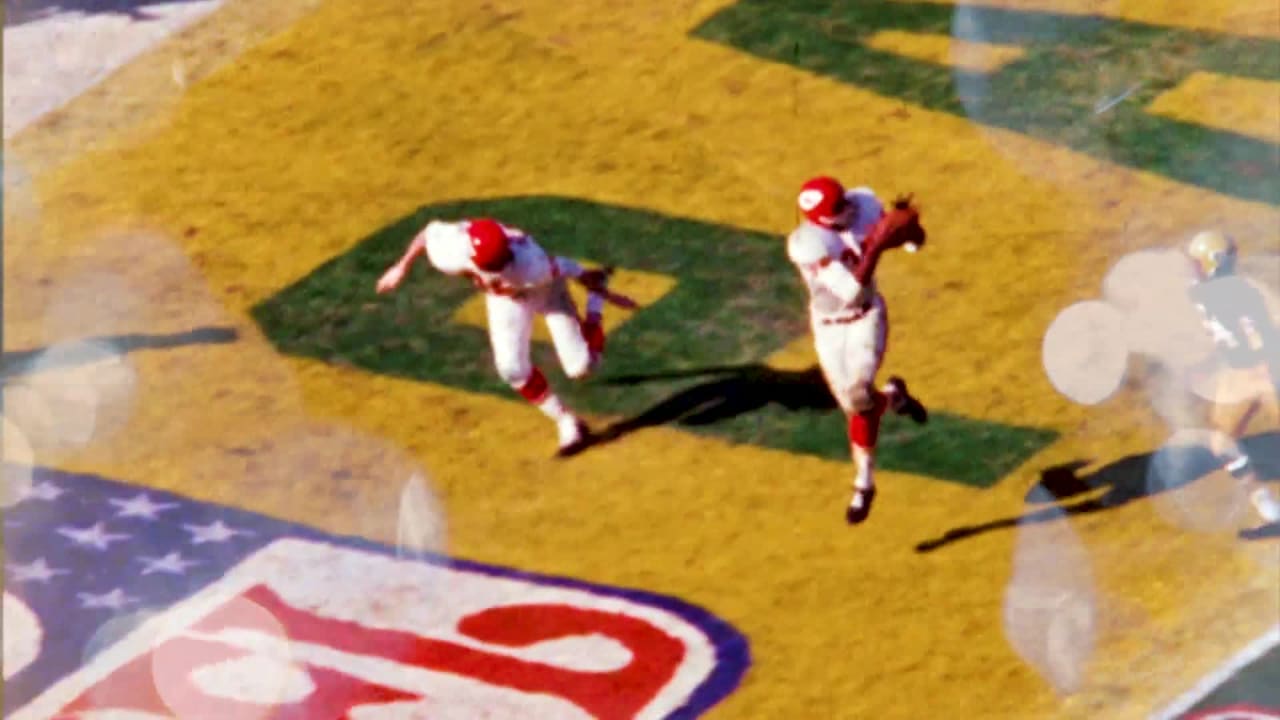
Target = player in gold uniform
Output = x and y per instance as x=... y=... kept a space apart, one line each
x=1248 y=354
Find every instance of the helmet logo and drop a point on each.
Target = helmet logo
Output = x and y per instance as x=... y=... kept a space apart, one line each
x=810 y=199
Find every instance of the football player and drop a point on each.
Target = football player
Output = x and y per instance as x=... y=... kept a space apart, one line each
x=1248 y=357
x=520 y=280
x=836 y=249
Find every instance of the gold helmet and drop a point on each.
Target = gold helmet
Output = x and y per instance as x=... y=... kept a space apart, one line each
x=1213 y=252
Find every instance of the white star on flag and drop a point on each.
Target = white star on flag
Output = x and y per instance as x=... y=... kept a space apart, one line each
x=214 y=532
x=141 y=506
x=114 y=600
x=38 y=571
x=42 y=491
x=171 y=563
x=96 y=536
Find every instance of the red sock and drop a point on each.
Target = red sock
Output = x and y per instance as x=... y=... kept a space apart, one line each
x=535 y=387
x=864 y=427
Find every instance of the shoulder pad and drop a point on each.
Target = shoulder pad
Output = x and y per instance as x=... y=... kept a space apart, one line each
x=869 y=206
x=809 y=243
x=447 y=245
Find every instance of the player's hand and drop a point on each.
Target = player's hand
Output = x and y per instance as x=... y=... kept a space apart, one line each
x=900 y=227
x=391 y=279
x=907 y=202
x=619 y=300
x=595 y=279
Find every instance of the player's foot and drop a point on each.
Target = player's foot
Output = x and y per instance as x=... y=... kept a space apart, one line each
x=903 y=403
x=1266 y=504
x=859 y=505
x=575 y=436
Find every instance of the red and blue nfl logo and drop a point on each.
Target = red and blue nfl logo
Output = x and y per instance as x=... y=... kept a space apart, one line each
x=229 y=614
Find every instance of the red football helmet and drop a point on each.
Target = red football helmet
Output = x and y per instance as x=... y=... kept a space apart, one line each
x=822 y=202
x=490 y=246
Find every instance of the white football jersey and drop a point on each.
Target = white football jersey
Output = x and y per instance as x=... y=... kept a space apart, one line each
x=449 y=251
x=826 y=258
x=825 y=261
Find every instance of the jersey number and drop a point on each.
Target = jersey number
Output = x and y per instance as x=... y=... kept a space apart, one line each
x=1221 y=335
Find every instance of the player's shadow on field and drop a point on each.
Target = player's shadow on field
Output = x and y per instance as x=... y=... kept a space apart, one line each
x=1130 y=478
x=733 y=390
x=22 y=362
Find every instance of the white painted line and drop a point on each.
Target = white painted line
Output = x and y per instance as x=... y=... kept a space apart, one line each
x=1251 y=652
x=51 y=60
x=1106 y=105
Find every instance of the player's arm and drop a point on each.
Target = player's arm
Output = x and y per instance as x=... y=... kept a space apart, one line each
x=592 y=279
x=865 y=269
x=395 y=274
x=807 y=252
x=838 y=278
x=416 y=249
x=566 y=267
x=894 y=230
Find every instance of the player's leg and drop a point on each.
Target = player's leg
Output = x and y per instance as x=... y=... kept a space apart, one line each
x=900 y=399
x=865 y=343
x=510 y=328
x=569 y=334
x=593 y=325
x=1230 y=418
x=829 y=343
x=849 y=367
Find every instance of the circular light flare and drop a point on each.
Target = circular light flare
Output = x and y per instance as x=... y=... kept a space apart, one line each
x=71 y=394
x=1084 y=352
x=247 y=661
x=23 y=635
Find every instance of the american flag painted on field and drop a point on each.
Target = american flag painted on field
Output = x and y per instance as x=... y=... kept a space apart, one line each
x=125 y=602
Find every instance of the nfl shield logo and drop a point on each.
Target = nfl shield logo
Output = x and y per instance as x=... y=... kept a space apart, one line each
x=124 y=604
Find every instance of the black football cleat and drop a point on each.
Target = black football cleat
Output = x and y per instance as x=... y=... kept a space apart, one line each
x=860 y=506
x=906 y=404
x=582 y=439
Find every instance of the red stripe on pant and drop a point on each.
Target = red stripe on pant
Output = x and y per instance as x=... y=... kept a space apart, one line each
x=535 y=387
x=864 y=427
x=593 y=333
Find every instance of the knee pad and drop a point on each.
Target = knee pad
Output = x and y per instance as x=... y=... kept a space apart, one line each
x=866 y=399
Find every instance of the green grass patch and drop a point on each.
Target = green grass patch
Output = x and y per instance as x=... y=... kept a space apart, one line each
x=691 y=360
x=1072 y=67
